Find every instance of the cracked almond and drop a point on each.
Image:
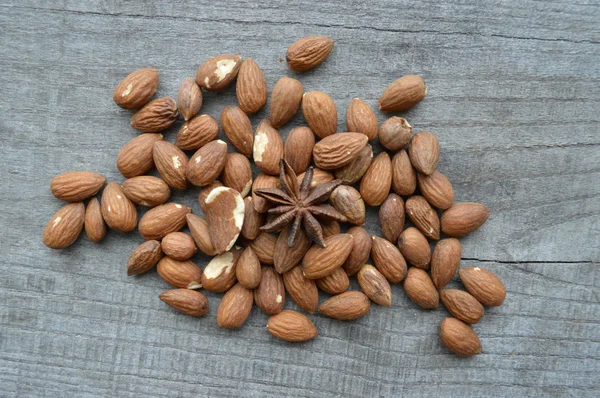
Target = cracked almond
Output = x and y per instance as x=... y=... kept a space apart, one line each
x=225 y=216
x=219 y=275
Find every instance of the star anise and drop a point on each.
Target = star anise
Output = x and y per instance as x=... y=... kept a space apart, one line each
x=302 y=205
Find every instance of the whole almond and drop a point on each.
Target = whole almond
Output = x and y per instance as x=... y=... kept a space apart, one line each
x=171 y=163
x=218 y=73
x=190 y=302
x=319 y=177
x=247 y=269
x=320 y=261
x=484 y=285
x=178 y=245
x=404 y=177
x=463 y=218
x=320 y=113
x=189 y=98
x=424 y=152
x=445 y=261
x=330 y=227
x=197 y=132
x=334 y=283
x=136 y=157
x=388 y=260
x=251 y=87
x=302 y=290
x=308 y=52
x=237 y=129
x=65 y=226
x=181 y=274
x=155 y=116
x=225 y=216
x=146 y=190
x=161 y=220
x=420 y=289
x=462 y=305
x=391 y=217
x=298 y=147
x=361 y=119
x=395 y=133
x=423 y=216
x=268 y=148
x=338 y=150
x=285 y=101
x=377 y=181
x=118 y=211
x=291 y=326
x=75 y=186
x=237 y=173
x=269 y=296
x=403 y=93
x=415 y=248
x=436 y=189
x=95 y=228
x=136 y=89
x=349 y=203
x=144 y=257
x=264 y=247
x=361 y=248
x=353 y=171
x=253 y=220
x=459 y=338
x=286 y=257
x=375 y=286
x=200 y=233
x=207 y=163
x=346 y=306
x=261 y=181
x=235 y=307
x=219 y=275
x=205 y=192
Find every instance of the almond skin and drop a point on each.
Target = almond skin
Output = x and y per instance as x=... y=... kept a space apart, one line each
x=308 y=52
x=181 y=274
x=387 y=259
x=218 y=73
x=436 y=189
x=346 y=306
x=354 y=171
x=423 y=216
x=404 y=177
x=377 y=181
x=247 y=269
x=320 y=113
x=65 y=226
x=219 y=275
x=424 y=152
x=119 y=212
x=361 y=119
x=237 y=129
x=375 y=286
x=269 y=296
x=200 y=233
x=161 y=220
x=189 y=98
x=403 y=93
x=361 y=248
x=251 y=87
x=171 y=163
x=298 y=147
x=462 y=305
x=95 y=228
x=445 y=261
x=463 y=218
x=225 y=216
x=302 y=290
x=261 y=181
x=253 y=220
x=338 y=150
x=144 y=257
x=146 y=190
x=415 y=248
x=136 y=157
x=268 y=148
x=319 y=261
x=197 y=132
x=207 y=163
x=264 y=247
x=291 y=326
x=190 y=302
x=395 y=133
x=136 y=89
x=391 y=217
x=459 y=338
x=484 y=285
x=335 y=283
x=235 y=307
x=237 y=173
x=155 y=116
x=287 y=257
x=349 y=203
x=75 y=186
x=178 y=245
x=285 y=101
x=420 y=289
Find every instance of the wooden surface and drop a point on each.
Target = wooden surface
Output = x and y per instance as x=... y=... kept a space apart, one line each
x=514 y=97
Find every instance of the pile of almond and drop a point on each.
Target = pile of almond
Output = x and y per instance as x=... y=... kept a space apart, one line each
x=255 y=267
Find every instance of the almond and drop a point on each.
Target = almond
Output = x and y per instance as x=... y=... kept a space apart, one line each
x=190 y=302
x=182 y=274
x=253 y=220
x=161 y=220
x=423 y=216
x=291 y=326
x=308 y=52
x=375 y=286
x=459 y=338
x=349 y=203
x=247 y=269
x=377 y=181
x=330 y=227
x=189 y=98
x=238 y=129
x=285 y=101
x=155 y=116
x=219 y=273
x=225 y=216
x=319 y=261
x=65 y=226
x=338 y=150
x=286 y=257
x=235 y=307
x=424 y=152
x=403 y=93
x=118 y=211
x=237 y=173
x=445 y=261
x=353 y=171
x=269 y=296
x=391 y=217
x=404 y=177
x=251 y=87
x=387 y=259
x=200 y=232
x=302 y=290
x=319 y=177
x=75 y=186
x=136 y=157
x=136 y=89
x=361 y=248
x=178 y=245
x=95 y=228
x=218 y=73
x=415 y=248
x=261 y=181
x=484 y=285
x=298 y=147
x=436 y=189
x=268 y=148
x=264 y=247
x=334 y=283
x=320 y=113
x=395 y=133
x=463 y=218
x=207 y=163
x=205 y=192
x=346 y=306
x=171 y=163
x=361 y=119
x=144 y=257
x=146 y=190
x=462 y=305
x=197 y=132
x=420 y=289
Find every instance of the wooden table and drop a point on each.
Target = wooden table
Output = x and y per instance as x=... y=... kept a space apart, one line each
x=514 y=97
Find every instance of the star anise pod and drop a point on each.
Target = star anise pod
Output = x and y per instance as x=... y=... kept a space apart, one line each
x=300 y=205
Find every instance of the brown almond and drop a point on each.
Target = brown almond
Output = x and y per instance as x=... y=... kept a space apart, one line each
x=269 y=296
x=415 y=248
x=136 y=89
x=144 y=257
x=200 y=233
x=445 y=261
x=75 y=186
x=360 y=118
x=330 y=227
x=146 y=190
x=349 y=203
x=462 y=305
x=207 y=163
x=197 y=132
x=268 y=148
x=218 y=73
x=403 y=93
x=320 y=261
x=391 y=217
x=302 y=290
x=205 y=192
x=334 y=283
x=395 y=133
x=178 y=245
x=420 y=289
x=377 y=181
x=354 y=171
x=388 y=260
x=404 y=177
x=308 y=52
x=347 y=306
x=320 y=113
x=235 y=307
x=375 y=286
x=136 y=157
x=181 y=274
x=65 y=226
x=298 y=147
x=189 y=98
x=484 y=285
x=424 y=152
x=253 y=220
x=95 y=227
x=225 y=216
x=219 y=275
x=247 y=269
x=319 y=177
x=459 y=337
x=436 y=189
x=423 y=216
x=338 y=150
x=118 y=211
x=264 y=247
x=285 y=101
x=286 y=257
x=291 y=326
x=463 y=218
x=190 y=302
x=237 y=129
x=161 y=220
x=237 y=173
x=171 y=163
x=251 y=87
x=361 y=248
x=155 y=116
x=261 y=181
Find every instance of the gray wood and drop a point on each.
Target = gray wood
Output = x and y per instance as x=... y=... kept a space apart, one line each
x=514 y=94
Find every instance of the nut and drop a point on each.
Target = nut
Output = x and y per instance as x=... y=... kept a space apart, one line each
x=459 y=338
x=346 y=306
x=349 y=203
x=308 y=52
x=190 y=302
x=264 y=247
x=436 y=189
x=261 y=181
x=178 y=245
x=391 y=217
x=404 y=177
x=334 y=283
x=269 y=296
x=320 y=261
x=337 y=150
x=420 y=289
x=238 y=129
x=375 y=286
x=217 y=73
x=237 y=173
x=445 y=261
x=75 y=186
x=320 y=113
x=298 y=147
x=200 y=232
x=462 y=305
x=251 y=87
x=361 y=248
x=197 y=132
x=171 y=164
x=161 y=220
x=144 y=257
x=377 y=181
x=463 y=218
x=387 y=259
x=225 y=216
x=181 y=274
x=285 y=101
x=219 y=273
x=302 y=290
x=146 y=190
x=136 y=157
x=354 y=171
x=118 y=211
x=247 y=269
x=319 y=177
x=403 y=93
x=268 y=148
x=361 y=119
x=286 y=257
x=424 y=152
x=423 y=216
x=95 y=227
x=395 y=133
x=291 y=326
x=253 y=220
x=235 y=307
x=484 y=285
x=205 y=192
x=189 y=98
x=136 y=89
x=415 y=248
x=207 y=163
x=155 y=116
x=65 y=226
